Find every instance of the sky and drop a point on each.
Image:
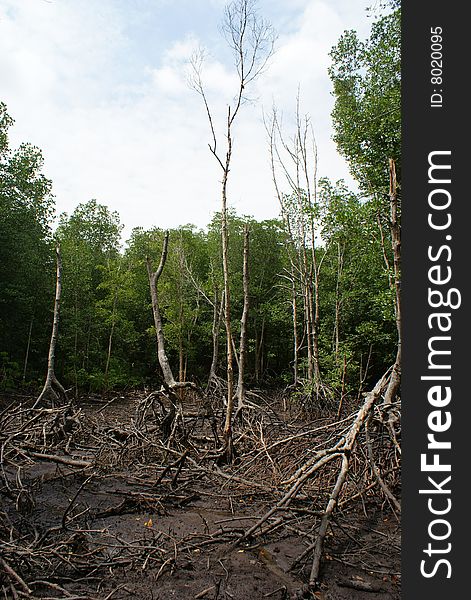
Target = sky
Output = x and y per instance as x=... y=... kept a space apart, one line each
x=101 y=87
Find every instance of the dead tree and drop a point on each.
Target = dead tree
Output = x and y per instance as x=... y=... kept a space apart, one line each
x=53 y=389
x=251 y=39
x=154 y=277
x=218 y=308
x=113 y=323
x=395 y=229
x=169 y=380
x=243 y=325
x=296 y=161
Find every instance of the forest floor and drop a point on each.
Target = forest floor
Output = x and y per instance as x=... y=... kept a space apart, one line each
x=112 y=522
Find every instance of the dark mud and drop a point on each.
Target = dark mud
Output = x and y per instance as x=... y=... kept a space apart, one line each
x=187 y=554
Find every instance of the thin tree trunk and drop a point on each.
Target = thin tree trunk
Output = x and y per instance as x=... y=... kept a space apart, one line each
x=28 y=345
x=259 y=352
x=153 y=281
x=181 y=360
x=87 y=346
x=315 y=336
x=308 y=329
x=316 y=266
x=252 y=42
x=52 y=387
x=181 y=352
x=217 y=316
x=181 y=318
x=243 y=325
x=76 y=342
x=342 y=388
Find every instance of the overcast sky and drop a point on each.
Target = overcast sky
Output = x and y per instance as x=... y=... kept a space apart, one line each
x=100 y=86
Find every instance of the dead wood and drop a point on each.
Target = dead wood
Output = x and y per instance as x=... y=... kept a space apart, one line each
x=295 y=470
x=63 y=460
x=341 y=449
x=53 y=389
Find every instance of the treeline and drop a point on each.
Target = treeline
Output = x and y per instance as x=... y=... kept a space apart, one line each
x=320 y=279
x=107 y=339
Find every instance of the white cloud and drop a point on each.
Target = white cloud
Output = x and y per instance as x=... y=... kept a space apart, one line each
x=132 y=134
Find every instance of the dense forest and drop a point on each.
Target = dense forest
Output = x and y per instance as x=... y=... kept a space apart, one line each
x=305 y=307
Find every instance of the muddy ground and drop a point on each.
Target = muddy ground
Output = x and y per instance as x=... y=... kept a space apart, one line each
x=125 y=528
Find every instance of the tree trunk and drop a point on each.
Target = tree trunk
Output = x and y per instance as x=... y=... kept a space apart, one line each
x=217 y=316
x=243 y=325
x=28 y=345
x=308 y=330
x=228 y=446
x=76 y=334
x=153 y=281
x=87 y=344
x=52 y=387
x=395 y=379
x=110 y=338
x=315 y=336
x=259 y=341
x=252 y=43
x=294 y=304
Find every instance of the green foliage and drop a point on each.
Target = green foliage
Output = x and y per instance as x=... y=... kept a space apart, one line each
x=366 y=76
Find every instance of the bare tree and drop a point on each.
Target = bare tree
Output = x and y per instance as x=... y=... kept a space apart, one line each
x=52 y=387
x=295 y=161
x=251 y=40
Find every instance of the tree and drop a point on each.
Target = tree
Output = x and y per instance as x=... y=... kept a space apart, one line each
x=296 y=163
x=186 y=292
x=357 y=333
x=89 y=239
x=154 y=277
x=112 y=309
x=251 y=40
x=243 y=324
x=52 y=386
x=367 y=89
x=366 y=76
x=26 y=252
